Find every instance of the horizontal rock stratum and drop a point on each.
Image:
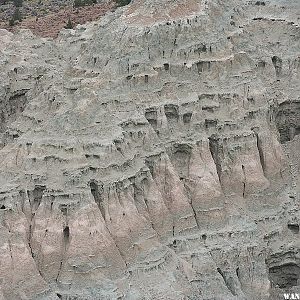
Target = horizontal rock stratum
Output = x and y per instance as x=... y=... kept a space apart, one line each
x=153 y=154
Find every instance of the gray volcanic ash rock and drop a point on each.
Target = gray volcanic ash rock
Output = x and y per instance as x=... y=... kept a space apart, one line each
x=153 y=154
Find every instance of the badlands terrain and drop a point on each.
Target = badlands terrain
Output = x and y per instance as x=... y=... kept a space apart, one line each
x=153 y=154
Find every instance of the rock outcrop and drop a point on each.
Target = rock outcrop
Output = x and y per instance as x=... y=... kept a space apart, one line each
x=153 y=154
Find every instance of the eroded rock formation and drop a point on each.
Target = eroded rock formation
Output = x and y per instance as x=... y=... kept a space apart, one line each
x=153 y=154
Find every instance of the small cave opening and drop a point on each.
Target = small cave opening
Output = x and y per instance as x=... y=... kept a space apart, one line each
x=97 y=192
x=209 y=109
x=294 y=228
x=180 y=156
x=64 y=209
x=187 y=118
x=203 y=48
x=171 y=112
x=36 y=195
x=200 y=67
x=2 y=206
x=59 y=295
x=210 y=123
x=66 y=233
x=238 y=273
x=203 y=66
x=288 y=120
x=284 y=276
x=166 y=67
x=261 y=64
x=151 y=116
x=12 y=107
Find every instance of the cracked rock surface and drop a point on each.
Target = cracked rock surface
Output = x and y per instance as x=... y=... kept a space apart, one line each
x=153 y=154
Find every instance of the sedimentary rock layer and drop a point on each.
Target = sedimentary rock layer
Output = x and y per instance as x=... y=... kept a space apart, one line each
x=153 y=154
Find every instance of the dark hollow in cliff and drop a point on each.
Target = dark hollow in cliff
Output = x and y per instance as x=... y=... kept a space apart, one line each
x=97 y=191
x=151 y=116
x=284 y=276
x=288 y=120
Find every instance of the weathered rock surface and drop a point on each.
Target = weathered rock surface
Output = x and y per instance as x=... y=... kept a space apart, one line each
x=153 y=154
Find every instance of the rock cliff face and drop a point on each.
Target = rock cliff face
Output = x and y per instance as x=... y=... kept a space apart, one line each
x=153 y=154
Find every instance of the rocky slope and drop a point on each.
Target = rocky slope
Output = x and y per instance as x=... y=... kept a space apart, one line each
x=47 y=18
x=153 y=154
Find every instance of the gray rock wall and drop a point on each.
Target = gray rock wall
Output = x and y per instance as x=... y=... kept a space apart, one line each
x=153 y=154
